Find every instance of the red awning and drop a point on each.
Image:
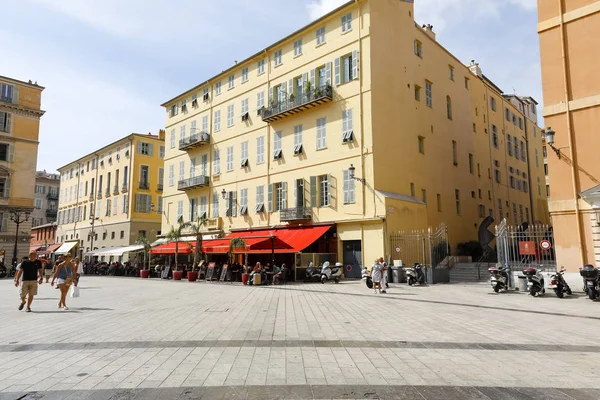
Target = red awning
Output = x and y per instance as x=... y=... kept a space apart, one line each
x=169 y=248
x=35 y=248
x=53 y=247
x=297 y=238
x=253 y=244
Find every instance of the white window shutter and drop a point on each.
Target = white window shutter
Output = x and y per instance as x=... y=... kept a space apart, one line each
x=137 y=202
x=11 y=152
x=329 y=189
x=148 y=202
x=312 y=79
x=304 y=80
x=7 y=188
x=355 y=64
x=295 y=203
x=270 y=197
x=349 y=118
x=234 y=204
x=337 y=72
x=346 y=188
x=284 y=194
x=227 y=206
x=327 y=73
x=283 y=92
x=139 y=147
x=150 y=149
x=8 y=122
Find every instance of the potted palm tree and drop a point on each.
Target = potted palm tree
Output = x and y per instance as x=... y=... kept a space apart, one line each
x=196 y=228
x=174 y=235
x=143 y=241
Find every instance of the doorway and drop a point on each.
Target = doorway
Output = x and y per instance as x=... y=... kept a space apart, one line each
x=352 y=256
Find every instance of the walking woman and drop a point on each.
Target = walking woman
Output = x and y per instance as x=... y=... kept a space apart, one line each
x=65 y=272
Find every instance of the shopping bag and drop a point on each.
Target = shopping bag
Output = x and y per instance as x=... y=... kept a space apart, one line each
x=74 y=291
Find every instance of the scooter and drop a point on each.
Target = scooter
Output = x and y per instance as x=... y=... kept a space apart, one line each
x=559 y=285
x=366 y=276
x=499 y=278
x=328 y=273
x=591 y=281
x=312 y=274
x=415 y=275
x=535 y=281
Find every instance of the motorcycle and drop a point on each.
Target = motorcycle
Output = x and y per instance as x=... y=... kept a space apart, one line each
x=3 y=272
x=312 y=274
x=499 y=278
x=591 y=281
x=559 y=285
x=535 y=281
x=328 y=273
x=415 y=275
x=366 y=276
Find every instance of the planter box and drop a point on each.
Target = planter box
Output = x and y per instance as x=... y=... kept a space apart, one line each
x=144 y=273
x=177 y=275
x=192 y=276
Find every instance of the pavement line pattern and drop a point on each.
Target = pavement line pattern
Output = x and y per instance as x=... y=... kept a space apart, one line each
x=299 y=343
x=405 y=392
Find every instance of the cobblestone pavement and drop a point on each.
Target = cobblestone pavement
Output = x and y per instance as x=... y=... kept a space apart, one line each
x=128 y=338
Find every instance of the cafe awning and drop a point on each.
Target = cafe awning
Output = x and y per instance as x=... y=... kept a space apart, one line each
x=253 y=244
x=66 y=247
x=114 y=251
x=169 y=248
x=53 y=247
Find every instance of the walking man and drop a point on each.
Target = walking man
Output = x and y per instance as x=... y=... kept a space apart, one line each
x=30 y=270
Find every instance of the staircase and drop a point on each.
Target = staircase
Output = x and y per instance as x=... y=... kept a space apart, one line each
x=468 y=272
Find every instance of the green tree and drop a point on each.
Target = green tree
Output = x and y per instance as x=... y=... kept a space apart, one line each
x=196 y=227
x=143 y=241
x=174 y=235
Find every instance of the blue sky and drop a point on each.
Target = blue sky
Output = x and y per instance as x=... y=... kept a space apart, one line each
x=107 y=65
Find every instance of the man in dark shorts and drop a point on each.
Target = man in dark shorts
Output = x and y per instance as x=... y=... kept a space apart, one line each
x=30 y=270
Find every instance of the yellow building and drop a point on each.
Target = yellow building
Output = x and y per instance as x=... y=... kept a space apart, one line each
x=20 y=115
x=111 y=197
x=360 y=120
x=569 y=32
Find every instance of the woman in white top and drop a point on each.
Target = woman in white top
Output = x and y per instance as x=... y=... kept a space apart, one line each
x=376 y=275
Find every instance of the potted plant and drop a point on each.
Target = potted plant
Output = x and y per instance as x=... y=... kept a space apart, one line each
x=174 y=235
x=145 y=271
x=196 y=228
x=307 y=88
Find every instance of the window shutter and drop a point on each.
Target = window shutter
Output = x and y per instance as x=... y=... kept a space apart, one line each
x=139 y=147
x=8 y=122
x=11 y=152
x=234 y=204
x=137 y=203
x=312 y=79
x=346 y=188
x=327 y=73
x=227 y=206
x=313 y=191
x=283 y=92
x=7 y=188
x=150 y=149
x=351 y=191
x=329 y=189
x=291 y=88
x=15 y=99
x=295 y=203
x=349 y=120
x=337 y=72
x=271 y=95
x=148 y=202
x=305 y=79
x=284 y=195
x=355 y=64
x=3 y=116
x=270 y=197
x=4 y=222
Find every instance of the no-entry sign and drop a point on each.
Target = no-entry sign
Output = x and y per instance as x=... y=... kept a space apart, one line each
x=545 y=245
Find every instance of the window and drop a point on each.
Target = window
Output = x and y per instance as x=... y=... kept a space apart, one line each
x=260 y=67
x=161 y=152
x=428 y=94
x=514 y=206
x=451 y=72
x=244 y=74
x=347 y=23
x=260 y=150
x=192 y=128
x=349 y=188
x=321 y=133
x=216 y=162
x=260 y=199
x=193 y=209
x=418 y=48
x=181 y=170
x=467 y=83
x=417 y=93
x=6 y=153
x=421 y=141
x=204 y=165
x=324 y=190
x=159 y=205
x=244 y=108
x=115 y=205
x=6 y=93
x=277 y=151
x=412 y=189
x=346 y=68
x=526 y=214
x=512 y=182
x=347 y=126
x=297 y=139
x=470 y=163
x=497 y=176
x=171 y=175
x=218 y=88
x=122 y=235
x=474 y=127
x=439 y=202
x=457 y=198
x=146 y=149
x=243 y=201
x=548 y=190
x=231 y=81
x=244 y=162
x=537 y=161
x=449 y=107
x=493 y=103
x=424 y=195
x=38 y=203
x=217 y=121
x=172 y=138
x=544 y=152
x=205 y=95
x=523 y=155
x=277 y=58
x=509 y=145
x=520 y=122
x=173 y=110
x=260 y=100
x=180 y=210
x=143 y=203
x=142 y=233
x=320 y=36
x=495 y=136
x=454 y=153
x=215 y=205
x=192 y=167
x=144 y=179
x=298 y=47
x=507 y=114
x=229 y=164
x=230 y=115
x=183 y=106
x=182 y=133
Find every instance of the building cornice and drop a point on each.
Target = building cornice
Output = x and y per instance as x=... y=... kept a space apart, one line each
x=18 y=82
x=22 y=111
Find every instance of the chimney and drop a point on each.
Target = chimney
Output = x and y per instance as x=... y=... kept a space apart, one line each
x=161 y=134
x=429 y=31
x=474 y=67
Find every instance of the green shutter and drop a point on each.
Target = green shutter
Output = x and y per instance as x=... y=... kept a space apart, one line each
x=313 y=191
x=234 y=203
x=137 y=203
x=337 y=72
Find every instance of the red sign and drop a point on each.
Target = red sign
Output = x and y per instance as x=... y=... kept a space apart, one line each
x=348 y=268
x=545 y=245
x=527 y=248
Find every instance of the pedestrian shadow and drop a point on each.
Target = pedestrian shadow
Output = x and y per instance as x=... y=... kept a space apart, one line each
x=94 y=309
x=89 y=288
x=56 y=312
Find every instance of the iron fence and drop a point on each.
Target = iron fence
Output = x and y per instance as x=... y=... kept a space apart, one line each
x=426 y=247
x=525 y=245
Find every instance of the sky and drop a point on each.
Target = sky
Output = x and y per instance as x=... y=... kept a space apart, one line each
x=107 y=65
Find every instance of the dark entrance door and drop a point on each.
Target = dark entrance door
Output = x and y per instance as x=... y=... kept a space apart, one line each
x=353 y=257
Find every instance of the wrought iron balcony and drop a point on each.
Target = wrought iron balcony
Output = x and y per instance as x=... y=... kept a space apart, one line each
x=116 y=189
x=6 y=99
x=91 y=198
x=51 y=213
x=295 y=105
x=294 y=214
x=144 y=185
x=107 y=193
x=194 y=140
x=125 y=188
x=52 y=196
x=160 y=187
x=99 y=196
x=192 y=183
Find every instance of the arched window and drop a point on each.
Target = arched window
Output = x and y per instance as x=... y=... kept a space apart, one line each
x=449 y=107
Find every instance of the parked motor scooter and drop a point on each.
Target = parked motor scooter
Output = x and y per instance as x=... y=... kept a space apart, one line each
x=415 y=275
x=559 y=285
x=366 y=276
x=312 y=274
x=535 y=281
x=499 y=278
x=328 y=273
x=591 y=281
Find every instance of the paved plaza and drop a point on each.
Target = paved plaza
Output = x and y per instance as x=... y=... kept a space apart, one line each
x=128 y=338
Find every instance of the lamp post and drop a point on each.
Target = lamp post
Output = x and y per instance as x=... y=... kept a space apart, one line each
x=93 y=219
x=549 y=133
x=351 y=172
x=272 y=237
x=18 y=217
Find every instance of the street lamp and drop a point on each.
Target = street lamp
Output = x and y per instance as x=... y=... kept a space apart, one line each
x=550 y=140
x=351 y=171
x=18 y=217
x=223 y=193
x=272 y=237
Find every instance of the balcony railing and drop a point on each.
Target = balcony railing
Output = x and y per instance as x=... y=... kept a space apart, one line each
x=294 y=214
x=116 y=190
x=99 y=194
x=52 y=196
x=144 y=185
x=91 y=198
x=302 y=102
x=51 y=213
x=125 y=188
x=107 y=193
x=194 y=140
x=160 y=187
x=6 y=99
x=192 y=183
